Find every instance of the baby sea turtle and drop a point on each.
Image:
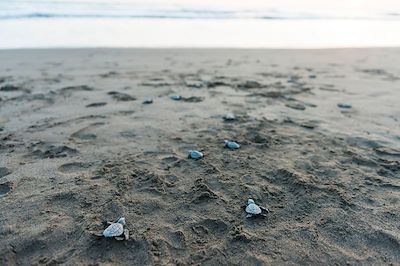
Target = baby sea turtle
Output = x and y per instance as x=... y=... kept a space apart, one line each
x=193 y=154
x=231 y=144
x=176 y=97
x=148 y=101
x=229 y=117
x=253 y=210
x=116 y=230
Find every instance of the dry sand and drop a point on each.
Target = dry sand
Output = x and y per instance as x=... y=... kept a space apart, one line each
x=78 y=147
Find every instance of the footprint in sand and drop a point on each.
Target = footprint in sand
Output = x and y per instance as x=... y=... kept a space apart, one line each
x=99 y=104
x=9 y=88
x=202 y=193
x=128 y=134
x=170 y=159
x=119 y=96
x=192 y=99
x=4 y=189
x=387 y=152
x=177 y=239
x=77 y=88
x=208 y=229
x=4 y=171
x=44 y=150
x=109 y=74
x=296 y=106
x=85 y=134
x=74 y=167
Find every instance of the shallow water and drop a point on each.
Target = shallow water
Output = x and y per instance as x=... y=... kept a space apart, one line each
x=237 y=33
x=194 y=23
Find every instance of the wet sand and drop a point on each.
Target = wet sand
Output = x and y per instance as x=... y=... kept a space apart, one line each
x=320 y=148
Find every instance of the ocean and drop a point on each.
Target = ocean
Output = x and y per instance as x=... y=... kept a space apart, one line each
x=195 y=23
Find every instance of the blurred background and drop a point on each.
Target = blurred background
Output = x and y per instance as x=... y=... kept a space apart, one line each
x=199 y=23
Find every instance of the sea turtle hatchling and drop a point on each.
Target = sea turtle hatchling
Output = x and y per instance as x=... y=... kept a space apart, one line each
x=176 y=97
x=229 y=117
x=253 y=210
x=193 y=154
x=148 y=101
x=231 y=144
x=116 y=230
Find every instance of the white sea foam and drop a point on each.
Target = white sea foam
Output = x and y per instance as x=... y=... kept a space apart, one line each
x=201 y=9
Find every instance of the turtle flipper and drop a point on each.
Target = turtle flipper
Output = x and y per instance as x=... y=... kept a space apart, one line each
x=264 y=209
x=126 y=234
x=249 y=215
x=261 y=215
x=104 y=223
x=99 y=234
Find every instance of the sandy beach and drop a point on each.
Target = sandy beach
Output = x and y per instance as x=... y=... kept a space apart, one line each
x=320 y=148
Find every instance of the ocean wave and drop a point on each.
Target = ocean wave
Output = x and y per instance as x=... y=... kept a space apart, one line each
x=191 y=15
x=32 y=9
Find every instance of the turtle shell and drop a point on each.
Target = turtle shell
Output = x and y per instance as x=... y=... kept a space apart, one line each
x=229 y=117
x=195 y=154
x=232 y=145
x=176 y=97
x=148 y=101
x=115 y=229
x=253 y=209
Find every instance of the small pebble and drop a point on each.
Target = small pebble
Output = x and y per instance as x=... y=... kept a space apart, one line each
x=344 y=105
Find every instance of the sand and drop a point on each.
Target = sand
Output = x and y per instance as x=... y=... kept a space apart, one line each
x=320 y=148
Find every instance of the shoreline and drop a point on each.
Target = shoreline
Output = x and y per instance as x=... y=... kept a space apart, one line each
x=202 y=48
